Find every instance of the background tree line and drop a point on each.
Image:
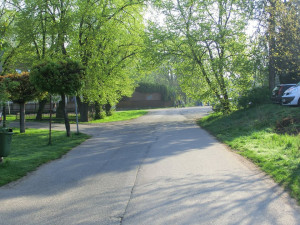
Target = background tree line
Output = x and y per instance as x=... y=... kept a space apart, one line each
x=105 y=37
x=214 y=56
x=201 y=49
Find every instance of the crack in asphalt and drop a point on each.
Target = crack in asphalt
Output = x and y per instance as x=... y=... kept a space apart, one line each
x=136 y=178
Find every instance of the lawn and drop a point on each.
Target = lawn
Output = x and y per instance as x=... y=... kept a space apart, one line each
x=30 y=150
x=121 y=116
x=269 y=135
x=116 y=116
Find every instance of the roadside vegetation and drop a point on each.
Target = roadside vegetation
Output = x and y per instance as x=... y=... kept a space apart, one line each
x=116 y=116
x=268 y=134
x=30 y=150
x=121 y=116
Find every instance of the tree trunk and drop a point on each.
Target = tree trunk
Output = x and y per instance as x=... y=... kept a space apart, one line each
x=50 y=123
x=108 y=109
x=60 y=110
x=272 y=44
x=98 y=111
x=83 y=110
x=67 y=123
x=39 y=114
x=22 y=117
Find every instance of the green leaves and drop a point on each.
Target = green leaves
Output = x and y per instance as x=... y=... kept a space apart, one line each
x=208 y=40
x=19 y=87
x=58 y=77
x=109 y=45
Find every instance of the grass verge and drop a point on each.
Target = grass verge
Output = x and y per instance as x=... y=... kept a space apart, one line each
x=30 y=150
x=269 y=135
x=116 y=116
x=121 y=116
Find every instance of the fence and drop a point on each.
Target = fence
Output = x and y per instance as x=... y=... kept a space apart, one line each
x=31 y=108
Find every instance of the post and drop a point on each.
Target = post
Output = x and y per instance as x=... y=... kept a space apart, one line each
x=76 y=111
x=50 y=120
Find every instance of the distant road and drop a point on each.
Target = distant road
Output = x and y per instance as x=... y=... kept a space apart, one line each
x=158 y=169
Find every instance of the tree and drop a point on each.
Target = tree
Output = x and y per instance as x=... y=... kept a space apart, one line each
x=209 y=42
x=108 y=42
x=7 y=47
x=105 y=36
x=61 y=77
x=21 y=91
x=41 y=28
x=280 y=26
x=287 y=36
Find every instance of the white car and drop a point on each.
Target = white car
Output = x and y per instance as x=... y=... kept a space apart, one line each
x=292 y=96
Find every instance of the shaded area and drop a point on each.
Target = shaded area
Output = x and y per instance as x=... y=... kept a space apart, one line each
x=201 y=200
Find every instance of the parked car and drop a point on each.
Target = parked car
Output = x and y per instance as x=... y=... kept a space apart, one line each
x=292 y=96
x=278 y=92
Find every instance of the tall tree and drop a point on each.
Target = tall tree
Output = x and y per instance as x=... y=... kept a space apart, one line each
x=108 y=44
x=42 y=29
x=104 y=35
x=209 y=41
x=287 y=35
x=280 y=23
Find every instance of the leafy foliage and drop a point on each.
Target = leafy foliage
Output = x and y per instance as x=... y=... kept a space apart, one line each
x=254 y=97
x=58 y=77
x=20 y=88
x=281 y=18
x=109 y=42
x=61 y=77
x=209 y=42
x=287 y=61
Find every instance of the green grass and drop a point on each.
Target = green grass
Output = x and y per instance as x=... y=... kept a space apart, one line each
x=116 y=116
x=121 y=116
x=263 y=135
x=10 y=118
x=30 y=150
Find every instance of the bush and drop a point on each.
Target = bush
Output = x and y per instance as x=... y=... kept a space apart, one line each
x=254 y=97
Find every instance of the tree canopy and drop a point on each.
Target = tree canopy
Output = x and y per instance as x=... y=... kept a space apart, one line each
x=20 y=90
x=203 y=43
x=209 y=42
x=58 y=77
x=63 y=77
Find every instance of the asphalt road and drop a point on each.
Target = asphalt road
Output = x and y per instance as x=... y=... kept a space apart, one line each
x=158 y=169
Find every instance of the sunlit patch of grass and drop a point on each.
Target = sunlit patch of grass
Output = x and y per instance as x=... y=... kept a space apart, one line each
x=121 y=116
x=252 y=133
x=30 y=150
x=116 y=116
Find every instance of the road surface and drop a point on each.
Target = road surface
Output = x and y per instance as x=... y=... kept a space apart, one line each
x=158 y=169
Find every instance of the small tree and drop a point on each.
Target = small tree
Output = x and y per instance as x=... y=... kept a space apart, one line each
x=61 y=77
x=20 y=91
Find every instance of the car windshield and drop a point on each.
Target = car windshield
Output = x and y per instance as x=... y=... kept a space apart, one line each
x=298 y=84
